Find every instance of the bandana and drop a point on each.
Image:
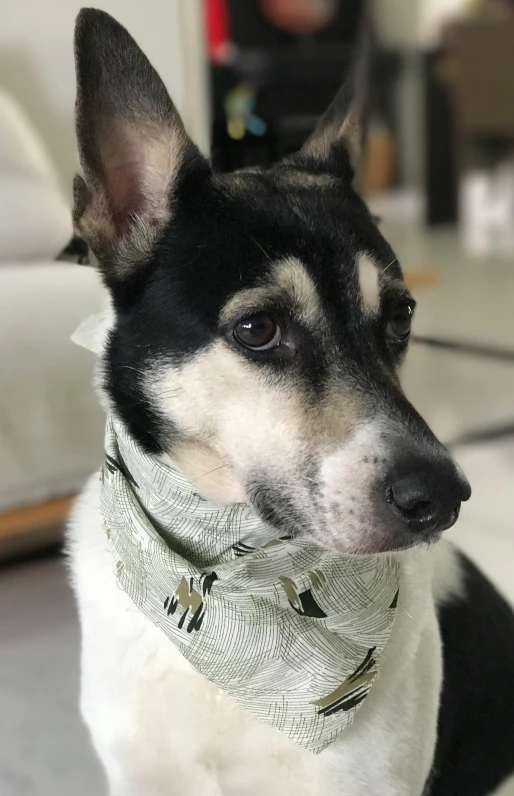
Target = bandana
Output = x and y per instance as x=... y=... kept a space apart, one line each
x=292 y=632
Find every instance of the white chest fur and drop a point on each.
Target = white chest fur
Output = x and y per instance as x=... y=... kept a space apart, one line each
x=161 y=729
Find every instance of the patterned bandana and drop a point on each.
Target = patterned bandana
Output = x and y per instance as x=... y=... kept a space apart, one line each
x=291 y=631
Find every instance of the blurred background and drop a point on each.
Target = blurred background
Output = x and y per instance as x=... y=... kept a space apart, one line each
x=250 y=78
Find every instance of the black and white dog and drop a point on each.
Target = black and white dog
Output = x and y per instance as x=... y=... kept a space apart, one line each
x=258 y=323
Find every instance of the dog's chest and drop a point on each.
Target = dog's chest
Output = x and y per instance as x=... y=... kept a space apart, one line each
x=154 y=718
x=161 y=729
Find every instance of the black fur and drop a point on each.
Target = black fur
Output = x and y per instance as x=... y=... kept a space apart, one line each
x=475 y=751
x=222 y=240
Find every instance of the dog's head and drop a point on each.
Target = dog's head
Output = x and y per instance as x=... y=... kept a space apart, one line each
x=260 y=317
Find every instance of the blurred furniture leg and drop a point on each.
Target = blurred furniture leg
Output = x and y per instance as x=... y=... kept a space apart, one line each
x=469 y=101
x=35 y=527
x=441 y=180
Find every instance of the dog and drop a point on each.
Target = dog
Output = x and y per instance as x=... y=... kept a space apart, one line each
x=258 y=323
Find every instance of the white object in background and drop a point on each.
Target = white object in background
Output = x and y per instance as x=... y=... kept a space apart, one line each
x=415 y=24
x=52 y=426
x=487 y=211
x=505 y=193
x=20 y=146
x=196 y=106
x=35 y=218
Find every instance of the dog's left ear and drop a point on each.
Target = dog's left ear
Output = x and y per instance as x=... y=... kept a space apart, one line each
x=133 y=147
x=337 y=143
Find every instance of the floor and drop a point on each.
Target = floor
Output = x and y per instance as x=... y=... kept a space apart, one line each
x=44 y=749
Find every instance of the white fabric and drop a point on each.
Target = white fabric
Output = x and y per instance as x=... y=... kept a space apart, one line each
x=292 y=632
x=35 y=217
x=51 y=427
x=92 y=333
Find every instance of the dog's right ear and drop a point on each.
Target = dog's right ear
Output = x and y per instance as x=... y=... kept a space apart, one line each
x=132 y=142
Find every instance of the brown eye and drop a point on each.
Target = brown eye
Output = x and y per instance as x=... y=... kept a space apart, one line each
x=399 y=324
x=259 y=332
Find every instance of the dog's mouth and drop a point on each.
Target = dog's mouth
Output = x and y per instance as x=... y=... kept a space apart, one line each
x=426 y=540
x=362 y=516
x=277 y=510
x=406 y=534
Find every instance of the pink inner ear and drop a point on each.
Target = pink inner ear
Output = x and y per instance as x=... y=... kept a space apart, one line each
x=125 y=193
x=139 y=167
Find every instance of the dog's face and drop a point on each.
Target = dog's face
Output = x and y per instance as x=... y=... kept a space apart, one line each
x=260 y=317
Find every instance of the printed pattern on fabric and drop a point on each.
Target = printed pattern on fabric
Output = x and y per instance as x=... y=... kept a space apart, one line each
x=291 y=631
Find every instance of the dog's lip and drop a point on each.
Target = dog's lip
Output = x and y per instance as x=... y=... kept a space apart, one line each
x=453 y=518
x=404 y=545
x=423 y=539
x=390 y=540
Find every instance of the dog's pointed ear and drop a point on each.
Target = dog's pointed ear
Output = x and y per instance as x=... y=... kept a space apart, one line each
x=339 y=131
x=132 y=143
x=337 y=143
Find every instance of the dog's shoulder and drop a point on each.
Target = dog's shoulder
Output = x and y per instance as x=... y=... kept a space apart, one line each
x=477 y=632
x=448 y=575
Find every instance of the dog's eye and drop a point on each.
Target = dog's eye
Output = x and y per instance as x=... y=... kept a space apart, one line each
x=259 y=332
x=398 y=327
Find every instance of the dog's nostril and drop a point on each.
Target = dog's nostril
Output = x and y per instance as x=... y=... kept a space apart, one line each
x=408 y=501
x=419 y=510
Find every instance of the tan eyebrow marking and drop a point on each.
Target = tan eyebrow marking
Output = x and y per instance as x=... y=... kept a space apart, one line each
x=289 y=280
x=293 y=278
x=369 y=282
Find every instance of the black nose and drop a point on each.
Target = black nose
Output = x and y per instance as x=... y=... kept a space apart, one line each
x=426 y=496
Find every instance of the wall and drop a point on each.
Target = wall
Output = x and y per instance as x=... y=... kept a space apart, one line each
x=36 y=61
x=396 y=22
x=415 y=24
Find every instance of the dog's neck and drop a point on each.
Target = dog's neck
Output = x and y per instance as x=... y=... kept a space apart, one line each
x=176 y=508
x=207 y=472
